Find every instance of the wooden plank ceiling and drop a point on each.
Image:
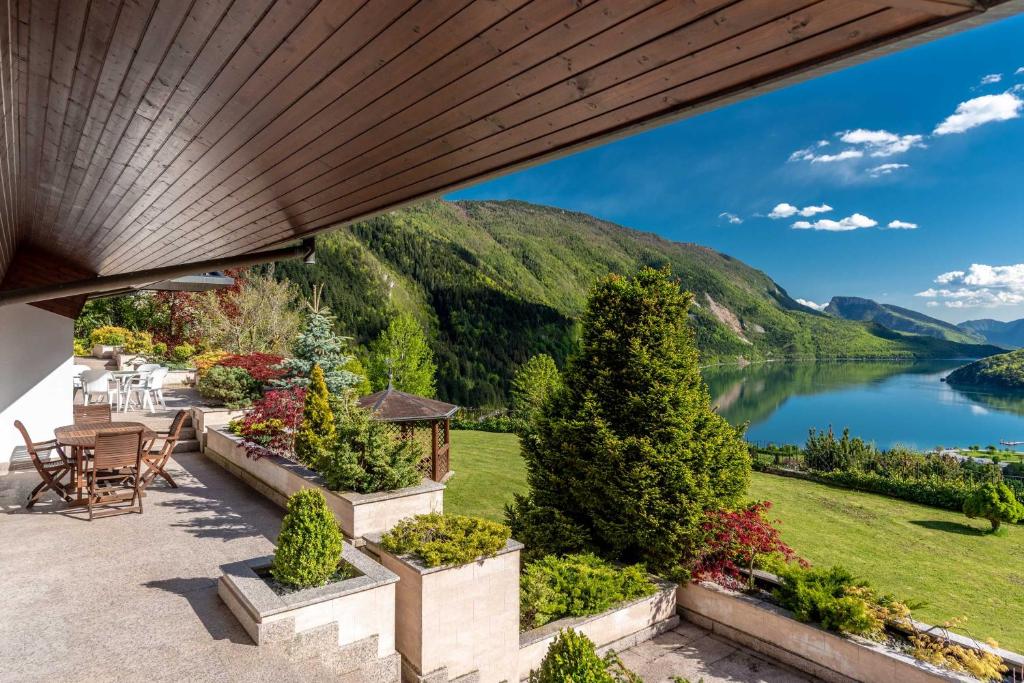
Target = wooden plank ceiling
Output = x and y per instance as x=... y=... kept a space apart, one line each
x=145 y=133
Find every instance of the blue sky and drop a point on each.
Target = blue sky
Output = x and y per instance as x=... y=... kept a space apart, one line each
x=920 y=137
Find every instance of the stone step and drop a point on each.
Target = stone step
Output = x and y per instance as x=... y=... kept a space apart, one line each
x=186 y=446
x=187 y=434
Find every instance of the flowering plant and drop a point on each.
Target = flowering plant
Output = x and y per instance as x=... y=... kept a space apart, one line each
x=262 y=367
x=734 y=540
x=269 y=427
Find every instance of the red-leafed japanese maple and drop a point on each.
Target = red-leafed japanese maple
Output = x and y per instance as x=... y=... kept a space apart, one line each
x=734 y=540
x=262 y=367
x=269 y=426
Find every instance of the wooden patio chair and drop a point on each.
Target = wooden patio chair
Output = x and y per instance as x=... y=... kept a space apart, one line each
x=50 y=471
x=114 y=473
x=156 y=461
x=98 y=412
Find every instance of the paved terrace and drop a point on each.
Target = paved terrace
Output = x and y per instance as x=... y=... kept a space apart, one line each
x=133 y=597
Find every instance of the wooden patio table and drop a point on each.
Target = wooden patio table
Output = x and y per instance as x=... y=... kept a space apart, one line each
x=82 y=437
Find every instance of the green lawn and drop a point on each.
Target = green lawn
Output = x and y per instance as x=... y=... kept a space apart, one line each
x=488 y=470
x=913 y=551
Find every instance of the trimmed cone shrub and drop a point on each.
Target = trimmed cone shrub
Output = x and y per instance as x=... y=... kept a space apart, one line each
x=996 y=503
x=572 y=658
x=628 y=454
x=309 y=545
x=438 y=539
x=315 y=436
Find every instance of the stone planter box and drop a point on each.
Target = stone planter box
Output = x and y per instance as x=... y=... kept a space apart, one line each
x=104 y=350
x=618 y=628
x=180 y=378
x=352 y=622
x=458 y=620
x=358 y=514
x=205 y=418
x=774 y=632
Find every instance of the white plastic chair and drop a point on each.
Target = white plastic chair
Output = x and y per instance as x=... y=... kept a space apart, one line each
x=76 y=376
x=136 y=382
x=100 y=382
x=150 y=390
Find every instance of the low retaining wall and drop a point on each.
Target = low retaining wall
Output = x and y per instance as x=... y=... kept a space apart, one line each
x=773 y=631
x=617 y=629
x=456 y=621
x=205 y=418
x=357 y=514
x=350 y=623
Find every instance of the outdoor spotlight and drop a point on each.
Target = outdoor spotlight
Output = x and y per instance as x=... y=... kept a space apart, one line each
x=310 y=246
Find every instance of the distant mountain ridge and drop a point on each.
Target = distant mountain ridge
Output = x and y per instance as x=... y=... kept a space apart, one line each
x=1006 y=334
x=496 y=282
x=900 y=319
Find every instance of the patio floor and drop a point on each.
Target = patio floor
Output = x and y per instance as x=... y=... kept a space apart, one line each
x=133 y=597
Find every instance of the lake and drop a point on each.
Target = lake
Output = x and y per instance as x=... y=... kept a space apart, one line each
x=887 y=402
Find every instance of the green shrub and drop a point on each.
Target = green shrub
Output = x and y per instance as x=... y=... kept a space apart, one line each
x=367 y=455
x=438 y=539
x=829 y=597
x=825 y=453
x=934 y=491
x=576 y=585
x=160 y=349
x=572 y=658
x=234 y=387
x=996 y=503
x=309 y=545
x=81 y=349
x=182 y=352
x=315 y=435
x=139 y=342
x=109 y=335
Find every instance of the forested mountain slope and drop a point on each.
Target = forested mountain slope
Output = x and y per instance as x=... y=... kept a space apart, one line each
x=1008 y=334
x=499 y=281
x=899 y=319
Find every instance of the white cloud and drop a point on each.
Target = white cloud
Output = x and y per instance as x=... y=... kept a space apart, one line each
x=881 y=143
x=902 y=225
x=811 y=304
x=991 y=78
x=785 y=210
x=854 y=222
x=1019 y=71
x=885 y=169
x=980 y=286
x=842 y=156
x=731 y=218
x=981 y=110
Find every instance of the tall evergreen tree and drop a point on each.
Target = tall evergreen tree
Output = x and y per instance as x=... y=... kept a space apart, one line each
x=534 y=382
x=318 y=344
x=315 y=436
x=402 y=356
x=628 y=454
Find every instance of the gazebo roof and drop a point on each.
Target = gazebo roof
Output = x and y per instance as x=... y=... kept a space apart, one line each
x=391 y=405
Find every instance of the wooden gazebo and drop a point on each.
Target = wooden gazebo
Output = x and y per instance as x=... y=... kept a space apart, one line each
x=407 y=412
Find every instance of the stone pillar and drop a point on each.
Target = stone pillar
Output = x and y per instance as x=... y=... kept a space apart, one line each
x=36 y=356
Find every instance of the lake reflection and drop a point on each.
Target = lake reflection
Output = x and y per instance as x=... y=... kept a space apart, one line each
x=887 y=402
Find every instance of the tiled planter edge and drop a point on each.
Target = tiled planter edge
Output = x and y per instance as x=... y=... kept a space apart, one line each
x=618 y=628
x=357 y=514
x=456 y=622
x=773 y=631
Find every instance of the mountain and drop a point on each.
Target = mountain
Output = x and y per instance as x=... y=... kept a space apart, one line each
x=1003 y=371
x=899 y=319
x=496 y=282
x=1009 y=335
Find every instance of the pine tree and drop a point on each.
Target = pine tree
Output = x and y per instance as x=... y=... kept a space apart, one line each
x=402 y=356
x=628 y=454
x=315 y=437
x=319 y=345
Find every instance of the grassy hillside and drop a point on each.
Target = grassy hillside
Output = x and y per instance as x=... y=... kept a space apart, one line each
x=1005 y=371
x=497 y=282
x=899 y=319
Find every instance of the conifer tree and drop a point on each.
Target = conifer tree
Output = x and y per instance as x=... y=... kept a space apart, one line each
x=402 y=357
x=318 y=344
x=315 y=437
x=628 y=454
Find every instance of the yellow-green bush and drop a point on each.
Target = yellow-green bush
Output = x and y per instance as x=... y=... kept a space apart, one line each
x=109 y=335
x=309 y=545
x=437 y=539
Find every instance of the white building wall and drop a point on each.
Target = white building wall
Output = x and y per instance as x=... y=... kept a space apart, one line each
x=35 y=375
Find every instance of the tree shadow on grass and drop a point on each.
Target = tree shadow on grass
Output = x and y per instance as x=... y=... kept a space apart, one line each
x=951 y=527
